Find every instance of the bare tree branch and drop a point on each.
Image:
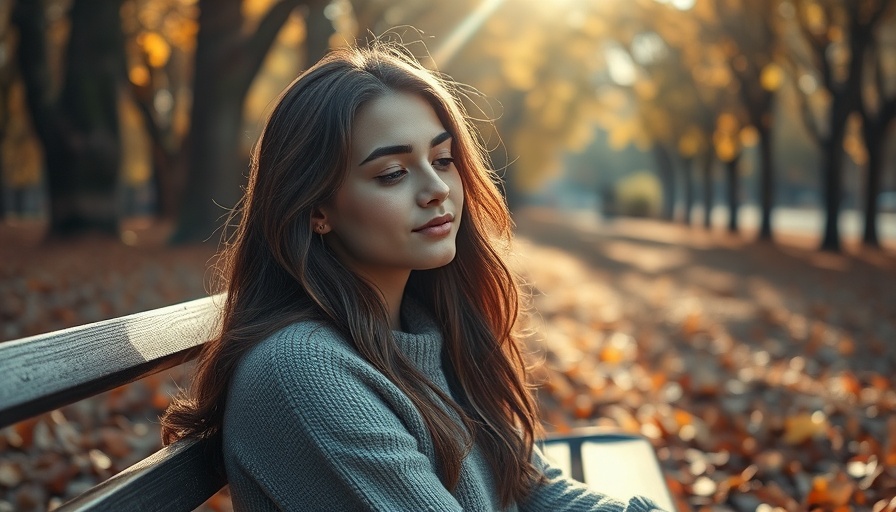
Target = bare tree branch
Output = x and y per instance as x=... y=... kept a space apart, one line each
x=878 y=13
x=809 y=120
x=260 y=42
x=818 y=45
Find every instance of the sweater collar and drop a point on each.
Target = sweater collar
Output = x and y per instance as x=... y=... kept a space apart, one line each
x=421 y=339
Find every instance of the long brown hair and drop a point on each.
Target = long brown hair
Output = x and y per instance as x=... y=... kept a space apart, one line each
x=277 y=272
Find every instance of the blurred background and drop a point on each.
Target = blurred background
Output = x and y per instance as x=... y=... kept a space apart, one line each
x=704 y=193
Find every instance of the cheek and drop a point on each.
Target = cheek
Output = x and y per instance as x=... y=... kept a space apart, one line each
x=457 y=190
x=362 y=210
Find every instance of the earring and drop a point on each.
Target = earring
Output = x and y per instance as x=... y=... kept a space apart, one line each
x=320 y=228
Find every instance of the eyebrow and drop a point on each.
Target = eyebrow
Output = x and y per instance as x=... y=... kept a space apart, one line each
x=406 y=148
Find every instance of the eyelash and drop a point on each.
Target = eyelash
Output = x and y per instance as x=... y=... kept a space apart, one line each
x=439 y=164
x=392 y=177
x=445 y=162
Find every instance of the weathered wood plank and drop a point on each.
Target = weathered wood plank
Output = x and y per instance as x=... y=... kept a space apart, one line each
x=44 y=372
x=176 y=478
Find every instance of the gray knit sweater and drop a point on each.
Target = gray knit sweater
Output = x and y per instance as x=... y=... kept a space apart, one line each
x=310 y=425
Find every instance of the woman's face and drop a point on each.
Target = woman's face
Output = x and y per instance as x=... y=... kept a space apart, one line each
x=400 y=205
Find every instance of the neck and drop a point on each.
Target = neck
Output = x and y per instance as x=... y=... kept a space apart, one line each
x=391 y=288
x=393 y=305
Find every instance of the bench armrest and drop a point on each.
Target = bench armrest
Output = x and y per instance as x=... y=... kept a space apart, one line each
x=178 y=477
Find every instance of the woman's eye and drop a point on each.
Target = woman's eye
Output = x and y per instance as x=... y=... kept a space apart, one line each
x=442 y=163
x=391 y=177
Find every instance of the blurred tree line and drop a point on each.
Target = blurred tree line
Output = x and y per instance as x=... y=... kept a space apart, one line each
x=116 y=108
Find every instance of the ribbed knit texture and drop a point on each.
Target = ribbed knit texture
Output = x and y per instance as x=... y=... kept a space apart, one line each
x=310 y=425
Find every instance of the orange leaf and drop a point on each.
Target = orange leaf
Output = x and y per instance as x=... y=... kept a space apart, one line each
x=802 y=427
x=691 y=324
x=25 y=431
x=610 y=354
x=584 y=407
x=682 y=417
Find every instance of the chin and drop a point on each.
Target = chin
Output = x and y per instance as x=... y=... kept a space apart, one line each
x=437 y=261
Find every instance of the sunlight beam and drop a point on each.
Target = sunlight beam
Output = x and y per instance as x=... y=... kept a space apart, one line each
x=464 y=31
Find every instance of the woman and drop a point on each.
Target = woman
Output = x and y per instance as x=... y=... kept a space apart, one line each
x=367 y=357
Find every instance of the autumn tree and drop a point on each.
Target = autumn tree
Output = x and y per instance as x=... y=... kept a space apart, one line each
x=682 y=84
x=724 y=51
x=676 y=112
x=692 y=146
x=160 y=37
x=655 y=98
x=748 y=32
x=77 y=121
x=727 y=140
x=543 y=69
x=835 y=36
x=228 y=57
x=878 y=110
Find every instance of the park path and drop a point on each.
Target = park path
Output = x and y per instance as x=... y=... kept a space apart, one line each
x=762 y=374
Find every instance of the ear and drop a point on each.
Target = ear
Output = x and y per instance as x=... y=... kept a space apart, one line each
x=319 y=221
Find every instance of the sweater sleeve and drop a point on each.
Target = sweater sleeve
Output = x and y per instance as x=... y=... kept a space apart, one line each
x=559 y=493
x=318 y=429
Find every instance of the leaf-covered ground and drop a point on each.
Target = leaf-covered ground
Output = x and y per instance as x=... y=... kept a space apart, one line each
x=764 y=375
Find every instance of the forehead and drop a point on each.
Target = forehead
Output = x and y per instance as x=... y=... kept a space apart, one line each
x=392 y=120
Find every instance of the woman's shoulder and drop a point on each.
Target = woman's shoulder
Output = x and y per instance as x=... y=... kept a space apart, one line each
x=306 y=343
x=308 y=368
x=301 y=364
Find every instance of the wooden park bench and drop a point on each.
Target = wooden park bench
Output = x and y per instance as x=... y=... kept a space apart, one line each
x=41 y=373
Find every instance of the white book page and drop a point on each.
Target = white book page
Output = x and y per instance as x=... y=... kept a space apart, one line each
x=620 y=469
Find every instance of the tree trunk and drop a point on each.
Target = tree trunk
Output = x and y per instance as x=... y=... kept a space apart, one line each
x=226 y=63
x=320 y=28
x=875 y=128
x=874 y=144
x=95 y=77
x=733 y=178
x=3 y=192
x=78 y=129
x=831 y=172
x=666 y=172
x=845 y=99
x=766 y=182
x=5 y=87
x=167 y=166
x=688 y=175
x=502 y=161
x=167 y=174
x=707 y=189
x=4 y=97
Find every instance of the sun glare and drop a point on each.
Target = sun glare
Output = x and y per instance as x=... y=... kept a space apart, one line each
x=464 y=31
x=681 y=5
x=620 y=66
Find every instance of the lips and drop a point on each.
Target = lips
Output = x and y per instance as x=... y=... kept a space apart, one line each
x=438 y=221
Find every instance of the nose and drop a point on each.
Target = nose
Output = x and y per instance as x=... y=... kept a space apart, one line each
x=433 y=189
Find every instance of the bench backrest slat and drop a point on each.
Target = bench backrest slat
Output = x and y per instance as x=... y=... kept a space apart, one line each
x=41 y=373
